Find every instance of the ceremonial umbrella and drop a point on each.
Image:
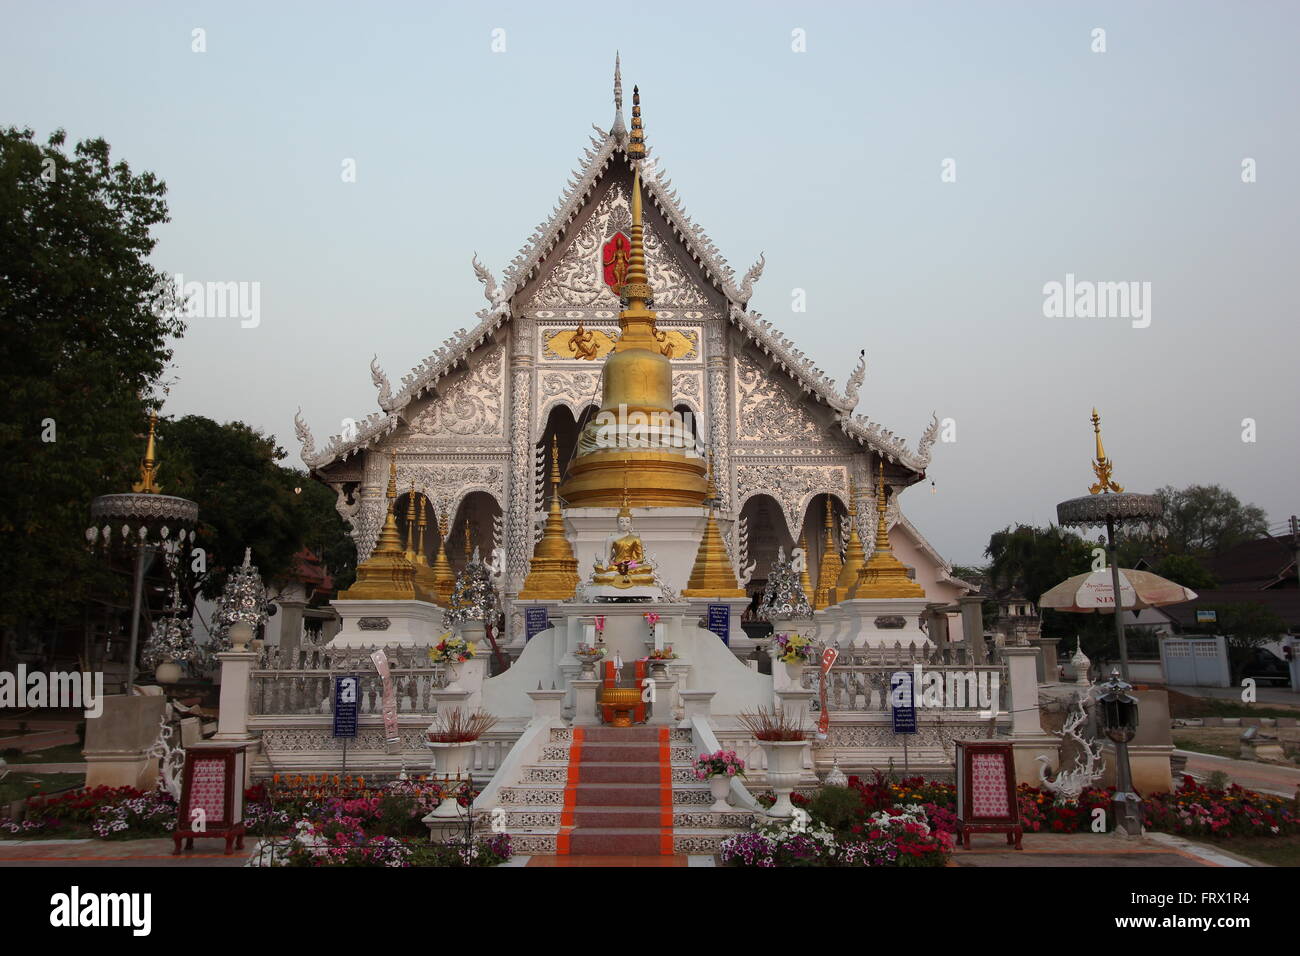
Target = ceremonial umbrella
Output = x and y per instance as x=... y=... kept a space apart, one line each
x=1095 y=591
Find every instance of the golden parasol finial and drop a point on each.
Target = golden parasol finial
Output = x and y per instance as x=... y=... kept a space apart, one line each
x=1101 y=466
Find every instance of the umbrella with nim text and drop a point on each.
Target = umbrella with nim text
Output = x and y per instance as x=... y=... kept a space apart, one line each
x=1094 y=591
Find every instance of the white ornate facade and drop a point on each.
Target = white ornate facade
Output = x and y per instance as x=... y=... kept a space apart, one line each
x=468 y=423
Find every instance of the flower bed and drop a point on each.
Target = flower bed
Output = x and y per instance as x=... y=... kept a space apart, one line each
x=110 y=813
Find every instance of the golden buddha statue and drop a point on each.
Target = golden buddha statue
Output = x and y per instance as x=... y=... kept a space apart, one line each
x=628 y=565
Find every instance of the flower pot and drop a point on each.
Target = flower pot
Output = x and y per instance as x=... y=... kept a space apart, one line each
x=784 y=768
x=794 y=669
x=168 y=672
x=450 y=761
x=720 y=787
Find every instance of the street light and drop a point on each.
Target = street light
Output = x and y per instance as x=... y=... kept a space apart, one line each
x=1118 y=714
x=1110 y=505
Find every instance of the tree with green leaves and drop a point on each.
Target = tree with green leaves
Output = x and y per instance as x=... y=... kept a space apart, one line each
x=247 y=499
x=1186 y=570
x=1035 y=560
x=86 y=320
x=1200 y=520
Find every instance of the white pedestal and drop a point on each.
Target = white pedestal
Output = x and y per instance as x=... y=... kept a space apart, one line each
x=385 y=623
x=871 y=622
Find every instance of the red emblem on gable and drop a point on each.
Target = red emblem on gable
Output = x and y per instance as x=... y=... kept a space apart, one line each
x=615 y=258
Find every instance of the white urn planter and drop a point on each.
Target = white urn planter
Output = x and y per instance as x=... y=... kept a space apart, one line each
x=451 y=761
x=168 y=672
x=720 y=787
x=794 y=670
x=453 y=675
x=784 y=768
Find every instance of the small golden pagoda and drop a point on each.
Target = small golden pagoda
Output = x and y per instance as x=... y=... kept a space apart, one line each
x=426 y=582
x=712 y=575
x=855 y=558
x=386 y=575
x=444 y=576
x=805 y=581
x=884 y=576
x=553 y=574
x=828 y=570
x=638 y=390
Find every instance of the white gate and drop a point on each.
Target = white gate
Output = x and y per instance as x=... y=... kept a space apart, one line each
x=1195 y=662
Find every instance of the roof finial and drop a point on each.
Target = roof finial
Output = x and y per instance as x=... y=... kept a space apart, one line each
x=1101 y=466
x=636 y=146
x=618 y=130
x=148 y=483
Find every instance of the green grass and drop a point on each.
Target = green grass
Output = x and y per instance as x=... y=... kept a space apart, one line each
x=1273 y=850
x=64 y=753
x=1183 y=706
x=18 y=785
x=1202 y=747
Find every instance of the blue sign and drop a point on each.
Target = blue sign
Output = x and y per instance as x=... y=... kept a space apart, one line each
x=902 y=702
x=347 y=697
x=535 y=621
x=720 y=622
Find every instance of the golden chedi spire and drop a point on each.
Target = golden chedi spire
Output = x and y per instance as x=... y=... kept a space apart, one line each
x=1101 y=465
x=854 y=556
x=636 y=424
x=444 y=577
x=805 y=580
x=828 y=570
x=426 y=582
x=386 y=575
x=884 y=576
x=148 y=483
x=553 y=574
x=712 y=575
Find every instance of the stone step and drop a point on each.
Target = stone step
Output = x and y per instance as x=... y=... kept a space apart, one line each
x=601 y=734
x=544 y=820
x=620 y=752
x=525 y=797
x=614 y=818
x=595 y=771
x=616 y=794
x=640 y=841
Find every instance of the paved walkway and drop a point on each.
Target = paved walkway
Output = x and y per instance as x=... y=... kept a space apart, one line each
x=1088 y=850
x=1265 y=777
x=1040 y=850
x=115 y=853
x=49 y=767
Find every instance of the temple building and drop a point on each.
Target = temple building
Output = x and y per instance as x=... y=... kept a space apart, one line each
x=618 y=367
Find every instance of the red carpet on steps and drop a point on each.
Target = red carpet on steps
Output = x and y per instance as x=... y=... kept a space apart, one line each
x=618 y=800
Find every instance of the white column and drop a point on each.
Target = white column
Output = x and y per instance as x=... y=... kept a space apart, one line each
x=232 y=717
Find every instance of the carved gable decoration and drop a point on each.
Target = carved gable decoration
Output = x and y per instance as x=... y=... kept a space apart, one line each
x=471 y=403
x=581 y=277
x=765 y=411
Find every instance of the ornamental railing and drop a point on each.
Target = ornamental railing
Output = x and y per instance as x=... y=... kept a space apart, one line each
x=861 y=678
x=302 y=681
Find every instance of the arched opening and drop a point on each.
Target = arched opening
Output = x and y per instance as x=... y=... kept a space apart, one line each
x=475 y=527
x=766 y=534
x=561 y=425
x=823 y=519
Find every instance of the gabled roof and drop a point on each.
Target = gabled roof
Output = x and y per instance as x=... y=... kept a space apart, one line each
x=605 y=149
x=1262 y=563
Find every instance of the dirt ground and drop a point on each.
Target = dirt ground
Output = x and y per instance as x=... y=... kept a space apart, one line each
x=1225 y=741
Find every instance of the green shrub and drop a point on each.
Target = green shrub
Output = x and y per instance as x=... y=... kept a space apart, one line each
x=839 y=808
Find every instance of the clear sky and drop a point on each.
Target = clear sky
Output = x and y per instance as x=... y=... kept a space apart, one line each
x=1123 y=165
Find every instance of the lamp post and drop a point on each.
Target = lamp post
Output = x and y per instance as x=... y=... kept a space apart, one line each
x=1109 y=505
x=1118 y=714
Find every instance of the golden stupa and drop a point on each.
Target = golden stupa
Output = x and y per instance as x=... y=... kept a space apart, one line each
x=386 y=575
x=713 y=575
x=638 y=391
x=854 y=557
x=828 y=569
x=553 y=574
x=884 y=576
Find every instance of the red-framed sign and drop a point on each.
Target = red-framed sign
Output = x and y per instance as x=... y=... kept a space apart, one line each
x=986 y=791
x=212 y=797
